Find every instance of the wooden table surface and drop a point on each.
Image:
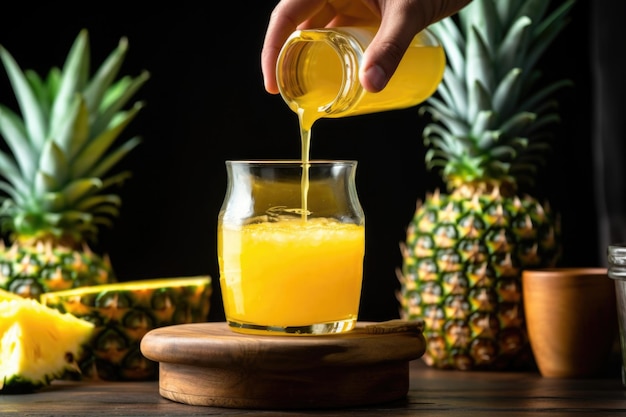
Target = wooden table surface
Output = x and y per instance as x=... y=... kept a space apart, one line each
x=432 y=393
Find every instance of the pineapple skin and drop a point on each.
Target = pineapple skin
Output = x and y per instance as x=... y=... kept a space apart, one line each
x=31 y=270
x=461 y=275
x=121 y=317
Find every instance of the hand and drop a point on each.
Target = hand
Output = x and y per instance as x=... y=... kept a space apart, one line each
x=398 y=22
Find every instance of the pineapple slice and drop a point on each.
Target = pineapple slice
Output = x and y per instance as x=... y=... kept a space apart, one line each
x=37 y=343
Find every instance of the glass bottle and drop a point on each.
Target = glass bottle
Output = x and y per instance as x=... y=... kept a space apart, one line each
x=616 y=256
x=318 y=73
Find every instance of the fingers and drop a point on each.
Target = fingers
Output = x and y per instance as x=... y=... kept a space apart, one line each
x=285 y=18
x=401 y=21
x=399 y=24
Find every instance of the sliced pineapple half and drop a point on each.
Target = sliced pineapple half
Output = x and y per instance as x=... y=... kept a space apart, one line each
x=123 y=313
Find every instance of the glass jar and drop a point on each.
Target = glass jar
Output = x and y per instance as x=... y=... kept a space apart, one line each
x=291 y=242
x=616 y=257
x=318 y=73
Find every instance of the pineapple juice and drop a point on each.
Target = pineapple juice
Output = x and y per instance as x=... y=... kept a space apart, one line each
x=292 y=274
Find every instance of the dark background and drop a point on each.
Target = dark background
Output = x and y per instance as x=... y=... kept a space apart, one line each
x=206 y=103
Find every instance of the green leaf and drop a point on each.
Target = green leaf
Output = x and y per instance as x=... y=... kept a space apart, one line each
x=34 y=117
x=452 y=42
x=53 y=202
x=72 y=131
x=541 y=95
x=479 y=65
x=94 y=151
x=482 y=18
x=517 y=123
x=80 y=189
x=506 y=96
x=70 y=217
x=544 y=120
x=479 y=100
x=44 y=183
x=105 y=76
x=442 y=114
x=546 y=32
x=116 y=180
x=453 y=92
x=114 y=106
x=103 y=221
x=11 y=173
x=503 y=153
x=89 y=203
x=73 y=78
x=508 y=55
x=105 y=164
x=41 y=90
x=534 y=9
x=14 y=132
x=53 y=83
x=482 y=122
x=16 y=196
x=54 y=163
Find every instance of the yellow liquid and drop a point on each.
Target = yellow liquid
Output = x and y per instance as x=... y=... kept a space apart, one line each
x=291 y=273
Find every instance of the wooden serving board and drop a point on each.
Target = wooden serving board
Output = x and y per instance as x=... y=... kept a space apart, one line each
x=209 y=364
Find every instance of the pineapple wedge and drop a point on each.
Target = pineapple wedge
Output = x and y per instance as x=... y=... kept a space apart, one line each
x=37 y=343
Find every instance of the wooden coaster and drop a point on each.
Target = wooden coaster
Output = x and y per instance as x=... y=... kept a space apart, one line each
x=209 y=364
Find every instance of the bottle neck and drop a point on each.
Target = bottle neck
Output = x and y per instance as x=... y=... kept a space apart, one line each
x=318 y=70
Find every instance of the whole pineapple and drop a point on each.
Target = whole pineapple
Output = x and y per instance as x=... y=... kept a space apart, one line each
x=465 y=250
x=56 y=169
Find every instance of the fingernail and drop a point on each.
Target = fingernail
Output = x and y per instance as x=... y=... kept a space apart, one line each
x=376 y=78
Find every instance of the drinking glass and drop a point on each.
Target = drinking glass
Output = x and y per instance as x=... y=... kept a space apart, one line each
x=291 y=242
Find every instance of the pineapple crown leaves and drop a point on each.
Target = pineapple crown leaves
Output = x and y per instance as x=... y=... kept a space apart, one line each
x=490 y=116
x=65 y=143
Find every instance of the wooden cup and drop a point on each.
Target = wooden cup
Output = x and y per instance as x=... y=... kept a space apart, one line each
x=571 y=320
